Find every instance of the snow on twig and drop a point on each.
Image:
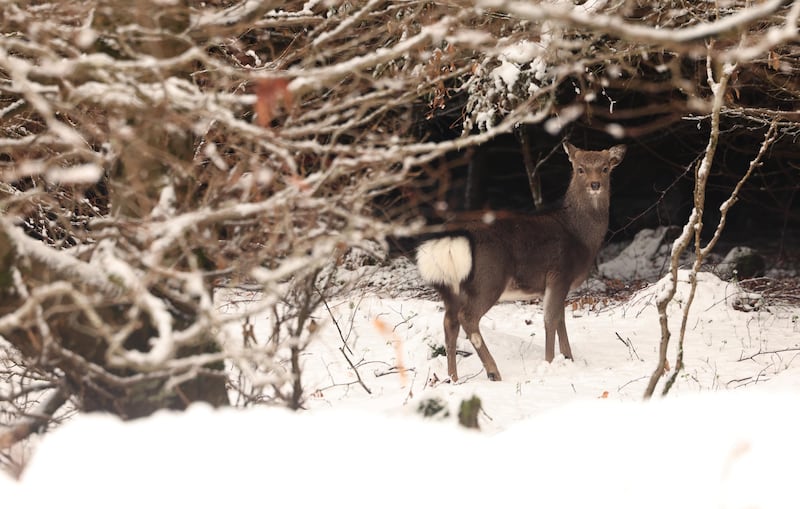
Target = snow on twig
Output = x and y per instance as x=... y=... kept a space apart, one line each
x=60 y=262
x=321 y=77
x=163 y=347
x=773 y=37
x=581 y=16
x=244 y=11
x=346 y=24
x=19 y=69
x=691 y=230
x=251 y=13
x=679 y=245
x=34 y=421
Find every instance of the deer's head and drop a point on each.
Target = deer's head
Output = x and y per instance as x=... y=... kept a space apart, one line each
x=591 y=170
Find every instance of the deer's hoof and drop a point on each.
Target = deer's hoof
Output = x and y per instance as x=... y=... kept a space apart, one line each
x=494 y=377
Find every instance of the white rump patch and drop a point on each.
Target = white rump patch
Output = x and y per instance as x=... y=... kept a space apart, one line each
x=446 y=261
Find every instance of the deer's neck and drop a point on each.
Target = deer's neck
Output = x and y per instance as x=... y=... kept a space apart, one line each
x=586 y=217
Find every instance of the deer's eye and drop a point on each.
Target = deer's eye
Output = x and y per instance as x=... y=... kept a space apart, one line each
x=605 y=169
x=581 y=171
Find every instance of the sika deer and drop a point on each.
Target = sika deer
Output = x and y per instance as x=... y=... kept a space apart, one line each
x=475 y=265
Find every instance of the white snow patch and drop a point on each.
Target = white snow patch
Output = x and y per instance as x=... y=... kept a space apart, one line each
x=521 y=52
x=79 y=174
x=554 y=125
x=646 y=257
x=86 y=37
x=166 y=203
x=615 y=130
x=506 y=74
x=713 y=446
x=539 y=69
x=593 y=5
x=485 y=119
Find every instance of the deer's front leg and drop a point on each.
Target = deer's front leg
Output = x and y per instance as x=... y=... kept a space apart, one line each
x=554 y=296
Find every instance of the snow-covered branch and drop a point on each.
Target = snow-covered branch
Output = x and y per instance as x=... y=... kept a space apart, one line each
x=63 y=265
x=321 y=77
x=692 y=229
x=589 y=16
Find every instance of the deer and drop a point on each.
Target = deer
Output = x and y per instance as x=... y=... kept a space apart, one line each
x=517 y=256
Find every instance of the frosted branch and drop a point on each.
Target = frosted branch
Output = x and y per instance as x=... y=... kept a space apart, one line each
x=58 y=261
x=691 y=230
x=321 y=77
x=582 y=17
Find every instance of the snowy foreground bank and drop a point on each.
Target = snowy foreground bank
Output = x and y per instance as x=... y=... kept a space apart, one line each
x=566 y=434
x=713 y=450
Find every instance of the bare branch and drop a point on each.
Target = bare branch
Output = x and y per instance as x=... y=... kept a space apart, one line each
x=691 y=229
x=585 y=17
x=36 y=420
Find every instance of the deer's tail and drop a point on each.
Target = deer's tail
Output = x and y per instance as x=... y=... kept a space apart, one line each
x=446 y=261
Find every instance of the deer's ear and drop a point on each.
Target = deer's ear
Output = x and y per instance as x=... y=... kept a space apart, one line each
x=617 y=152
x=570 y=150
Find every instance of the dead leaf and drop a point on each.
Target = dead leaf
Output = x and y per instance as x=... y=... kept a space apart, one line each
x=398 y=348
x=381 y=326
x=774 y=61
x=271 y=94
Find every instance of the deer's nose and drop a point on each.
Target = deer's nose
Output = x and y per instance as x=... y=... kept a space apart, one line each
x=595 y=186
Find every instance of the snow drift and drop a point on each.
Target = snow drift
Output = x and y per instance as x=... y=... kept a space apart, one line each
x=720 y=450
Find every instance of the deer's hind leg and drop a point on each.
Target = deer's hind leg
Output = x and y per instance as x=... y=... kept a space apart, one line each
x=451 y=328
x=471 y=313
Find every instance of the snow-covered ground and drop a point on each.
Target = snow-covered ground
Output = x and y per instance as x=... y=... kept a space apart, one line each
x=566 y=434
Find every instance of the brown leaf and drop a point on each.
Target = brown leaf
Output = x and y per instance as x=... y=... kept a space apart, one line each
x=774 y=61
x=270 y=95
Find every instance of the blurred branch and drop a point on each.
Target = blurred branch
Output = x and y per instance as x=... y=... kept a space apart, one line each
x=586 y=17
x=34 y=421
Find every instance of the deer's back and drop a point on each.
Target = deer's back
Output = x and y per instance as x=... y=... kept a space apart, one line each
x=525 y=252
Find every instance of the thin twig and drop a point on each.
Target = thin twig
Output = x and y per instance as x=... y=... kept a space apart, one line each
x=355 y=370
x=335 y=321
x=630 y=382
x=768 y=352
x=629 y=344
x=410 y=394
x=394 y=370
